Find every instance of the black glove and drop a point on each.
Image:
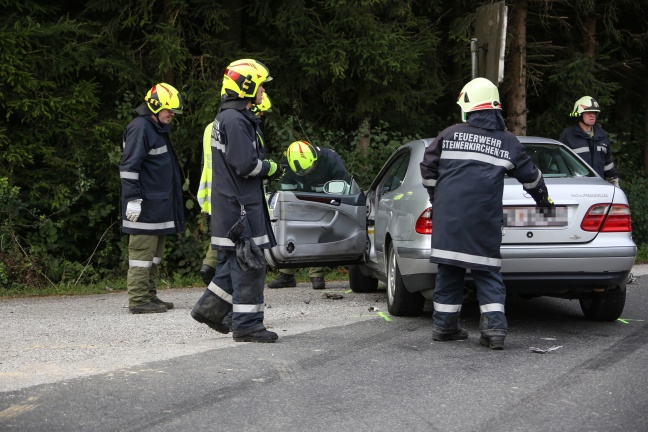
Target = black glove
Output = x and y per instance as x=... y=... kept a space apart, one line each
x=545 y=201
x=540 y=195
x=277 y=174
x=248 y=255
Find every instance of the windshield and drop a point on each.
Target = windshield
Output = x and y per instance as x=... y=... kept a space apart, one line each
x=557 y=162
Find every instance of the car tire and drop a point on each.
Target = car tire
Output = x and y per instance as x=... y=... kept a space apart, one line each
x=360 y=283
x=401 y=302
x=606 y=306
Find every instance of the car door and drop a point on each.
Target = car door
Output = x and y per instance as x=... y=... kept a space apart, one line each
x=387 y=195
x=327 y=228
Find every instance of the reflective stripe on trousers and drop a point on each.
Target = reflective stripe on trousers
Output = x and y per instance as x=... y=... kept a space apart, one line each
x=245 y=289
x=144 y=256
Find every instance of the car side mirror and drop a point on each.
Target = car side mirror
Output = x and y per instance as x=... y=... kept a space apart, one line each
x=336 y=187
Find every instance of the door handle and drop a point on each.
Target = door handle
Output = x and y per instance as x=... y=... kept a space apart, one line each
x=329 y=225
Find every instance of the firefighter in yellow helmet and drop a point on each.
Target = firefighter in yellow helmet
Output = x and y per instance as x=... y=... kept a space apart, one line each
x=589 y=140
x=210 y=262
x=240 y=223
x=149 y=170
x=309 y=168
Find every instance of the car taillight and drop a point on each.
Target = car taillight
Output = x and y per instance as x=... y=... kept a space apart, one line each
x=607 y=218
x=424 y=222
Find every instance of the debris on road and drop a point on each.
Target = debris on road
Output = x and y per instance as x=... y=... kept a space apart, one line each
x=332 y=296
x=544 y=351
x=373 y=309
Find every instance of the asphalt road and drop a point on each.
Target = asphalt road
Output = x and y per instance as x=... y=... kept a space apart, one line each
x=85 y=363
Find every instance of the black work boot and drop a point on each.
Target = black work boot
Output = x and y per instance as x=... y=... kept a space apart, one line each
x=492 y=342
x=208 y=311
x=157 y=301
x=149 y=307
x=283 y=281
x=263 y=336
x=490 y=337
x=444 y=334
x=207 y=273
x=318 y=282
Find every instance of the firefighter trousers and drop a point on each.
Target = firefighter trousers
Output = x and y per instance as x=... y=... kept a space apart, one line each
x=449 y=292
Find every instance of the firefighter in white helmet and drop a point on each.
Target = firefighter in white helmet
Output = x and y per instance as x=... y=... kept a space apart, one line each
x=589 y=140
x=463 y=170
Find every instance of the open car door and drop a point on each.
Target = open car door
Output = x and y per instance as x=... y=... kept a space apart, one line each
x=317 y=229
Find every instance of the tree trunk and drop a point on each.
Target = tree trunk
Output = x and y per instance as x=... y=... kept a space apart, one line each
x=233 y=34
x=590 y=37
x=645 y=150
x=516 y=80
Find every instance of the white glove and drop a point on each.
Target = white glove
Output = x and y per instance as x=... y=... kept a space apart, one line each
x=133 y=210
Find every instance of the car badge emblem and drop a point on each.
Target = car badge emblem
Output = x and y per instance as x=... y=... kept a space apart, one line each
x=575 y=237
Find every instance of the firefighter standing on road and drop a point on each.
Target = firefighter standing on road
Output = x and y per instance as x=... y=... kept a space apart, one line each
x=463 y=170
x=210 y=261
x=151 y=194
x=590 y=141
x=239 y=167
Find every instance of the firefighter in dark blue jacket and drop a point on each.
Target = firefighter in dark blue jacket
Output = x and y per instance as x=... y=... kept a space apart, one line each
x=151 y=198
x=309 y=168
x=590 y=141
x=240 y=223
x=463 y=170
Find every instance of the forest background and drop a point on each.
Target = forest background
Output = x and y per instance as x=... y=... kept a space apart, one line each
x=361 y=77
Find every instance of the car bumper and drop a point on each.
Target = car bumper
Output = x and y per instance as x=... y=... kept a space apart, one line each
x=536 y=271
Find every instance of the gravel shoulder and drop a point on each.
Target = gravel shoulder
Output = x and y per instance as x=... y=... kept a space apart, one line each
x=46 y=340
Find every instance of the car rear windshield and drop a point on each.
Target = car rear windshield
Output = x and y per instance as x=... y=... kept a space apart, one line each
x=556 y=161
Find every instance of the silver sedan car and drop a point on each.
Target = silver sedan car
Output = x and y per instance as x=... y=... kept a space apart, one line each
x=581 y=249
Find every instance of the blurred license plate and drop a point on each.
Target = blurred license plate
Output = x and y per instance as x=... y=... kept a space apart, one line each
x=535 y=216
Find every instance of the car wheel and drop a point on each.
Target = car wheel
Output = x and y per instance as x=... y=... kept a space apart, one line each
x=606 y=306
x=360 y=283
x=401 y=302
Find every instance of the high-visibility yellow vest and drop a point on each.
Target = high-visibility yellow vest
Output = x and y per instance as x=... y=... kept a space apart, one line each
x=204 y=190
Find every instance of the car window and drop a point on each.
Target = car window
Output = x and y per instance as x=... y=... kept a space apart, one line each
x=556 y=162
x=395 y=174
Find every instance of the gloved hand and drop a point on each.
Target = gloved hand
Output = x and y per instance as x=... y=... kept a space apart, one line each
x=545 y=201
x=133 y=210
x=276 y=171
x=248 y=255
x=613 y=180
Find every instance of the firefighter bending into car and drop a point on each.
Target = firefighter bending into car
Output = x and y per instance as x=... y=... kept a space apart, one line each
x=308 y=169
x=240 y=222
x=463 y=170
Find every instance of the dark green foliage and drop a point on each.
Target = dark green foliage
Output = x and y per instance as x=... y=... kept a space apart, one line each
x=361 y=77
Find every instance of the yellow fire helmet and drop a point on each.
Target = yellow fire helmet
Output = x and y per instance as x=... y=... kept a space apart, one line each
x=264 y=106
x=243 y=77
x=479 y=94
x=164 y=96
x=585 y=104
x=301 y=157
